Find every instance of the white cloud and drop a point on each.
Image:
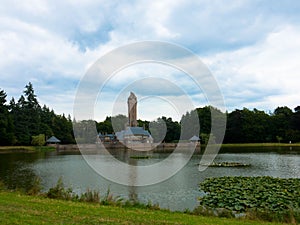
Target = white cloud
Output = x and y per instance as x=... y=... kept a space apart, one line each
x=251 y=47
x=265 y=75
x=27 y=45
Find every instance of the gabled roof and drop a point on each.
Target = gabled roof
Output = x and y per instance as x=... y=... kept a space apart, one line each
x=136 y=131
x=53 y=139
x=194 y=138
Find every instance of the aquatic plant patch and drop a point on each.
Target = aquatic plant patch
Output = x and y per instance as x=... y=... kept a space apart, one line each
x=140 y=157
x=249 y=194
x=227 y=164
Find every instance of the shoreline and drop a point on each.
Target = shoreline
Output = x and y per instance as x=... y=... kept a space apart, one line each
x=261 y=145
x=162 y=148
x=25 y=149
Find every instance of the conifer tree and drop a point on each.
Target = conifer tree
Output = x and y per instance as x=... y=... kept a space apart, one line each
x=6 y=123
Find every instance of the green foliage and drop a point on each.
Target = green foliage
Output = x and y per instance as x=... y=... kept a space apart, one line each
x=158 y=130
x=60 y=192
x=119 y=122
x=173 y=129
x=109 y=199
x=276 y=198
x=204 y=138
x=288 y=216
x=26 y=119
x=189 y=126
x=228 y=164
x=21 y=120
x=62 y=128
x=2 y=186
x=143 y=123
x=140 y=157
x=93 y=196
x=136 y=204
x=36 y=187
x=85 y=132
x=246 y=126
x=90 y=196
x=38 y=140
x=208 y=211
x=6 y=123
x=278 y=138
x=105 y=127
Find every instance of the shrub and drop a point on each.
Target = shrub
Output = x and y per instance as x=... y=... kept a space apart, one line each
x=60 y=192
x=90 y=196
x=36 y=187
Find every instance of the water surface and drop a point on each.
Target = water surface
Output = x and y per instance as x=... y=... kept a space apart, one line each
x=177 y=193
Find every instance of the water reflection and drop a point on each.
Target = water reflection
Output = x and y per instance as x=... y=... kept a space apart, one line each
x=132 y=192
x=16 y=170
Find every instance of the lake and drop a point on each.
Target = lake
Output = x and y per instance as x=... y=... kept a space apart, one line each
x=180 y=192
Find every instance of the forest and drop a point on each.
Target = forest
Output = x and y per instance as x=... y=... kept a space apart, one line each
x=23 y=120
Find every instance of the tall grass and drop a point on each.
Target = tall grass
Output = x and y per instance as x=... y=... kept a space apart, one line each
x=92 y=196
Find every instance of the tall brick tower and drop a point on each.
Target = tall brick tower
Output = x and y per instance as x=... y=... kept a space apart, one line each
x=132 y=110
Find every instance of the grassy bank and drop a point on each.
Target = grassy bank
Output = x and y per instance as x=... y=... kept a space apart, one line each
x=25 y=149
x=17 y=208
x=260 y=145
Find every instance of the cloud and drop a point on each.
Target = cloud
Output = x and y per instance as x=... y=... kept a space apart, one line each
x=32 y=54
x=251 y=46
x=33 y=50
x=210 y=27
x=257 y=75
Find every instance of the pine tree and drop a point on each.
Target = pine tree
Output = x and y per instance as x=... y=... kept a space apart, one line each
x=6 y=123
x=20 y=119
x=33 y=111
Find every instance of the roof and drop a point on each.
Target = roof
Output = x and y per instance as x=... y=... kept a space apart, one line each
x=194 y=138
x=120 y=135
x=53 y=139
x=136 y=131
x=106 y=135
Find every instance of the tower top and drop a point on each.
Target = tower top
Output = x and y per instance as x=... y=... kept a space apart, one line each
x=132 y=96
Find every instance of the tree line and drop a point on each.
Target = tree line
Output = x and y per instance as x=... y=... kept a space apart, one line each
x=243 y=125
x=23 y=120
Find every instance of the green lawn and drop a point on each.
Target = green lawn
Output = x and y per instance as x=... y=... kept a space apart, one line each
x=12 y=149
x=17 y=208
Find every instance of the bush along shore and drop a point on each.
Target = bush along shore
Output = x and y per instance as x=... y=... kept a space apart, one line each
x=250 y=199
x=265 y=198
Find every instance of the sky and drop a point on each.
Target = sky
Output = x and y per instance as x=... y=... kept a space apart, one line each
x=251 y=47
